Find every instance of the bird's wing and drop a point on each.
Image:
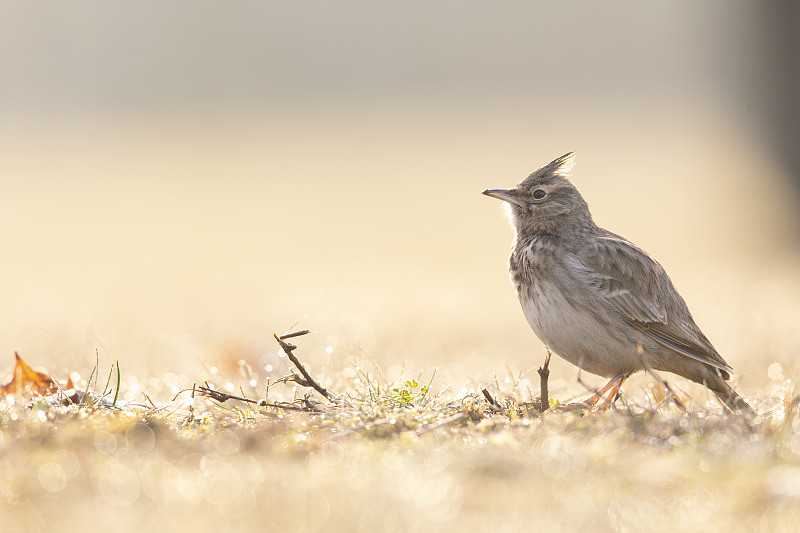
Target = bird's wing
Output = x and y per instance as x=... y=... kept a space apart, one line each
x=639 y=288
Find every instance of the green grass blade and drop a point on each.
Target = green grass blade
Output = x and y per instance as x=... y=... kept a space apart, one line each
x=88 y=384
x=116 y=392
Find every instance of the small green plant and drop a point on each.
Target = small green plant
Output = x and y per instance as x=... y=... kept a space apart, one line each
x=409 y=393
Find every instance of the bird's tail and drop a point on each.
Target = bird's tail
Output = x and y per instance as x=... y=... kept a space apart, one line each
x=728 y=396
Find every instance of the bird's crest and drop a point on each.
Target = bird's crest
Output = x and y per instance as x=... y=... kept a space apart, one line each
x=558 y=168
x=561 y=166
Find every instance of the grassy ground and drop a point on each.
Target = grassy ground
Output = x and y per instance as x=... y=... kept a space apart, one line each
x=397 y=455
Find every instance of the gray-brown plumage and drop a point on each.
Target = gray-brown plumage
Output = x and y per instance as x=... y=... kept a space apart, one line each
x=596 y=299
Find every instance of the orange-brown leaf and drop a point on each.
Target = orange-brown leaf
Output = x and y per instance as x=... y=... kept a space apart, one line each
x=27 y=381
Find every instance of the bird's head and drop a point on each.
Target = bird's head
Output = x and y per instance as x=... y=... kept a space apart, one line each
x=546 y=201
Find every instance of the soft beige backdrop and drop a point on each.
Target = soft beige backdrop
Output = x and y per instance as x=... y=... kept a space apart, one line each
x=178 y=184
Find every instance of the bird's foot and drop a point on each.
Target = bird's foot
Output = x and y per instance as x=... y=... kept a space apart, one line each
x=609 y=393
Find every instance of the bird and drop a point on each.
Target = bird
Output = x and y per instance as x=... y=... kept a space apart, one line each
x=596 y=299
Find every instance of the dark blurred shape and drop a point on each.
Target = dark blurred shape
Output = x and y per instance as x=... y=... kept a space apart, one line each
x=778 y=65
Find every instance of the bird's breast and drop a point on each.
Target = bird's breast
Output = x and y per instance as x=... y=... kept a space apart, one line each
x=565 y=317
x=533 y=269
x=525 y=263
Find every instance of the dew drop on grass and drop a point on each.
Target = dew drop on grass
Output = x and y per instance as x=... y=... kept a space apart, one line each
x=329 y=350
x=253 y=382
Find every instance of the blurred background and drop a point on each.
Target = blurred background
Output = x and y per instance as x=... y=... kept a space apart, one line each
x=181 y=179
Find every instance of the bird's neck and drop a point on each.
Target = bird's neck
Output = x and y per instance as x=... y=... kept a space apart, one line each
x=554 y=228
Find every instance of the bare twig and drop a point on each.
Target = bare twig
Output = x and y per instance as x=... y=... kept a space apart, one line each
x=190 y=419
x=491 y=400
x=285 y=406
x=222 y=397
x=294 y=334
x=194 y=386
x=307 y=380
x=544 y=375
x=146 y=397
x=310 y=406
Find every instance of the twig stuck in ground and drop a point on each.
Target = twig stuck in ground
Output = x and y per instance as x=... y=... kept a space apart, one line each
x=492 y=401
x=544 y=375
x=306 y=380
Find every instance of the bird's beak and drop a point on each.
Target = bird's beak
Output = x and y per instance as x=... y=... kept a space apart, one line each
x=507 y=195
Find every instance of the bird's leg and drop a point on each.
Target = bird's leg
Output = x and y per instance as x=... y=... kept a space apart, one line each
x=613 y=386
x=614 y=394
x=600 y=393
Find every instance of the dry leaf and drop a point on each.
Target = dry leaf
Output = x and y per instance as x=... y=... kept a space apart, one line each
x=27 y=381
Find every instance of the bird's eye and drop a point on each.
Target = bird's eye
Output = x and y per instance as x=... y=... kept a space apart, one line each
x=538 y=194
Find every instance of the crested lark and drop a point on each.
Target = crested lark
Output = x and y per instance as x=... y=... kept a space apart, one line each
x=596 y=299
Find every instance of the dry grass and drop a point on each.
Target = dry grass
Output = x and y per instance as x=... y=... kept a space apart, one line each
x=397 y=455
